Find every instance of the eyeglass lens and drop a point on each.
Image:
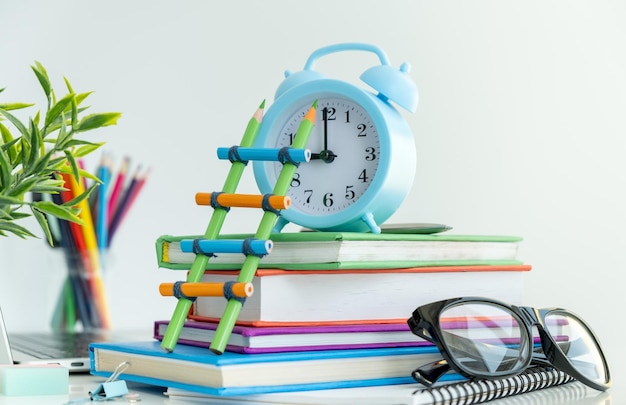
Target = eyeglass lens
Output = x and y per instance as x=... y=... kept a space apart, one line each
x=485 y=339
x=490 y=340
x=578 y=344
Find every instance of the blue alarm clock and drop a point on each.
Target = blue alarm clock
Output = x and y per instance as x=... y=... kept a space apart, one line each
x=363 y=152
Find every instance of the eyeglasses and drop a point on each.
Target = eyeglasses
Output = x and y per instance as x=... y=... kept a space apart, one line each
x=484 y=338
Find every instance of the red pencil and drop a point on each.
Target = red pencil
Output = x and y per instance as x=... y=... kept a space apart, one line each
x=114 y=199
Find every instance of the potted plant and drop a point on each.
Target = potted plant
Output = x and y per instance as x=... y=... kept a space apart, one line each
x=35 y=150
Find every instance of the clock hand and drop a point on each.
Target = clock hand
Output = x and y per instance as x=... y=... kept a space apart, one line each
x=326 y=155
x=325 y=117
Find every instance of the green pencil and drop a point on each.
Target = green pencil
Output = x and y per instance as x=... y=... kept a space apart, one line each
x=212 y=232
x=250 y=264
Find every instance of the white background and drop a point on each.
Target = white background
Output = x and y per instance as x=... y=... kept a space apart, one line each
x=520 y=130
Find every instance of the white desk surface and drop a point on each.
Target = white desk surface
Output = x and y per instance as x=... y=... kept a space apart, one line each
x=80 y=385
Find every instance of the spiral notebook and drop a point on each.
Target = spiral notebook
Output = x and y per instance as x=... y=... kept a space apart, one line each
x=463 y=392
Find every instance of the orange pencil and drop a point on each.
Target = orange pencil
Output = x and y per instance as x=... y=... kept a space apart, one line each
x=277 y=202
x=241 y=290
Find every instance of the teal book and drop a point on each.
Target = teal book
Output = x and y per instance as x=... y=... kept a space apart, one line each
x=200 y=370
x=353 y=250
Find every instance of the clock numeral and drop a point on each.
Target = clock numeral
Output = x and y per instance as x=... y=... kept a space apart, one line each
x=295 y=181
x=328 y=200
x=347 y=116
x=350 y=194
x=328 y=114
x=308 y=193
x=370 y=154
x=363 y=176
x=361 y=128
x=290 y=136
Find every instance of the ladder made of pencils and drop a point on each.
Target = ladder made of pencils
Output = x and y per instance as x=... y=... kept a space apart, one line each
x=253 y=248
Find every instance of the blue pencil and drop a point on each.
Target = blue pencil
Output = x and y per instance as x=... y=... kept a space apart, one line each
x=257 y=247
x=264 y=154
x=104 y=173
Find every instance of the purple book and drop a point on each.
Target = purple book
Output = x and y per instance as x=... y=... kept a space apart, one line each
x=271 y=339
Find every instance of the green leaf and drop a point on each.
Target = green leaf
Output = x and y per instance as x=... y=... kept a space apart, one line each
x=22 y=187
x=63 y=137
x=41 y=165
x=68 y=213
x=71 y=143
x=68 y=85
x=48 y=185
x=36 y=142
x=5 y=170
x=81 y=173
x=72 y=161
x=74 y=115
x=86 y=149
x=81 y=97
x=19 y=215
x=14 y=106
x=57 y=163
x=16 y=229
x=25 y=148
x=97 y=120
x=76 y=200
x=42 y=76
x=7 y=139
x=43 y=223
x=58 y=108
x=8 y=200
x=15 y=121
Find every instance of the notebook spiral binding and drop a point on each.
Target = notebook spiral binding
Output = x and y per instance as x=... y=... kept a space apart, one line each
x=479 y=391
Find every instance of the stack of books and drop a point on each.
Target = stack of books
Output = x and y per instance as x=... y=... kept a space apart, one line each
x=328 y=310
x=321 y=278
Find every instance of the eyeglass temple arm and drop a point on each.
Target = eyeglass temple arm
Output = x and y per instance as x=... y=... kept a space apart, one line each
x=428 y=374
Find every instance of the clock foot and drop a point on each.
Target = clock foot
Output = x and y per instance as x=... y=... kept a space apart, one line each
x=280 y=224
x=368 y=218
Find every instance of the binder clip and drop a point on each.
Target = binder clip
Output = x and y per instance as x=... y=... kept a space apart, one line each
x=112 y=387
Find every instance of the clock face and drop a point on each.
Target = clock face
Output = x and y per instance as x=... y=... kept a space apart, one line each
x=345 y=149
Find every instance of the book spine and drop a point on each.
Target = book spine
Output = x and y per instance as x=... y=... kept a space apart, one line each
x=479 y=391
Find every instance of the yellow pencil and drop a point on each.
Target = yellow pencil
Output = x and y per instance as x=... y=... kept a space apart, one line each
x=91 y=244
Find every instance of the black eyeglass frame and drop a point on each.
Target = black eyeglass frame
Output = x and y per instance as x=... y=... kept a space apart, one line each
x=424 y=323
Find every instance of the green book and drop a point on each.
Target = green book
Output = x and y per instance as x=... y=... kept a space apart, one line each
x=354 y=250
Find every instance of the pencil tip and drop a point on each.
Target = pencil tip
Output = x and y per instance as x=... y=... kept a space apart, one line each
x=262 y=105
x=315 y=104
